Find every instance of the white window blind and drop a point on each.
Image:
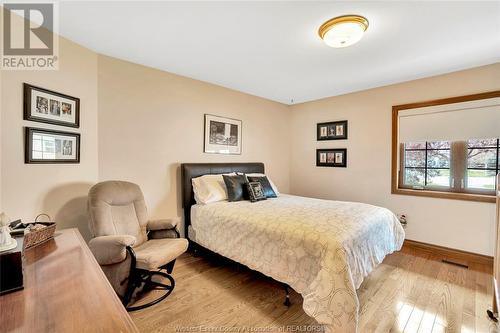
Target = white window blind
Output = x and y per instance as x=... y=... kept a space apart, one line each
x=453 y=122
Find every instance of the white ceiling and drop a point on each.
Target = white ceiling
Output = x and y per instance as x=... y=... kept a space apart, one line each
x=272 y=50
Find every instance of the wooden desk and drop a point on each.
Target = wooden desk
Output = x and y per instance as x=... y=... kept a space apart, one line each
x=65 y=290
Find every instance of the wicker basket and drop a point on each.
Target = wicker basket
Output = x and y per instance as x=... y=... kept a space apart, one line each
x=33 y=238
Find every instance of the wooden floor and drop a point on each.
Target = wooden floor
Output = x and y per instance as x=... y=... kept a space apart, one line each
x=409 y=292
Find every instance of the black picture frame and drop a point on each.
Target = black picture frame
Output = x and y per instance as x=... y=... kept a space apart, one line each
x=333 y=130
x=48 y=117
x=28 y=146
x=215 y=148
x=331 y=158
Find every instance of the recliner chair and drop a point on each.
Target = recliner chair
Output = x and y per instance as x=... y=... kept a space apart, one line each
x=130 y=248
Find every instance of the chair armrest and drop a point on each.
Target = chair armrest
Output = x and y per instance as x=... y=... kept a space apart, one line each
x=161 y=234
x=165 y=224
x=111 y=249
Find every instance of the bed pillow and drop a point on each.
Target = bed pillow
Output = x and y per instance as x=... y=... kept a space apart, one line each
x=266 y=185
x=255 y=191
x=209 y=188
x=275 y=189
x=236 y=187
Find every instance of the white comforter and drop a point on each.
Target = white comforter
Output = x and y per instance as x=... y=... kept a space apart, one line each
x=323 y=249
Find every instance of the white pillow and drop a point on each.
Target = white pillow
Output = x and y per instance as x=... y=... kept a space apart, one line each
x=275 y=189
x=209 y=188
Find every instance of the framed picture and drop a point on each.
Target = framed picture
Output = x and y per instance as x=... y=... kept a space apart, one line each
x=334 y=130
x=48 y=146
x=46 y=106
x=336 y=157
x=222 y=135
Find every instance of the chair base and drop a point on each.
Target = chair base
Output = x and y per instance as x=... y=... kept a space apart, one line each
x=152 y=285
x=143 y=278
x=492 y=316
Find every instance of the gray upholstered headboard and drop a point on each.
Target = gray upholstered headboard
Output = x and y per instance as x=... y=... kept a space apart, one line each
x=193 y=170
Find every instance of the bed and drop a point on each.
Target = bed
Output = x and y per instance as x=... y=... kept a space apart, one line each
x=323 y=249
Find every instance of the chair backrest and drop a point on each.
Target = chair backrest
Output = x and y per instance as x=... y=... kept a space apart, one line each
x=117 y=208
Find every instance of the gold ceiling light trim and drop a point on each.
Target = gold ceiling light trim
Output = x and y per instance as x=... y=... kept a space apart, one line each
x=325 y=27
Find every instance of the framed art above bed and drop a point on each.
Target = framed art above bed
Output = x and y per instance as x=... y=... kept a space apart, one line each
x=222 y=135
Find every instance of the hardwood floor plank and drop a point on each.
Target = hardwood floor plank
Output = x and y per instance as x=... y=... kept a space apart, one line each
x=483 y=302
x=424 y=286
x=436 y=307
x=390 y=304
x=409 y=292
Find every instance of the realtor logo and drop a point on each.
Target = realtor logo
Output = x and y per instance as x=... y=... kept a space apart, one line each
x=29 y=36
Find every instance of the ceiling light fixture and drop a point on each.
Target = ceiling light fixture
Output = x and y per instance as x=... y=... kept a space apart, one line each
x=343 y=31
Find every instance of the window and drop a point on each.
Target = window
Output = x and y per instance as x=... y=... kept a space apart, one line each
x=447 y=148
x=427 y=164
x=482 y=164
x=453 y=166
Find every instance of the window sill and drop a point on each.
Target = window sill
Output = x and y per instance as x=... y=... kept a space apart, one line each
x=445 y=195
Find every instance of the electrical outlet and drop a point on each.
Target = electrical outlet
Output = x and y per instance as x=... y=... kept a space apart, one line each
x=403 y=219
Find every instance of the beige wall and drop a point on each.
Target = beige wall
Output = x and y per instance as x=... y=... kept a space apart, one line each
x=57 y=189
x=139 y=124
x=457 y=224
x=151 y=121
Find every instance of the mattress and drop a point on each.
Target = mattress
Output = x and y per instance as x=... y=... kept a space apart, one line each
x=323 y=249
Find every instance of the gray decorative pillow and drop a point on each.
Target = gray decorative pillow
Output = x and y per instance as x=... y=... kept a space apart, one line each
x=255 y=191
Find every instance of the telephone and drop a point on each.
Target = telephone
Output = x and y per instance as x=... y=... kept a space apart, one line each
x=17 y=227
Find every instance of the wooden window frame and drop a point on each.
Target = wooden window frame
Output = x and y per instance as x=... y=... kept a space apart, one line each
x=396 y=168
